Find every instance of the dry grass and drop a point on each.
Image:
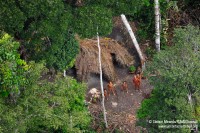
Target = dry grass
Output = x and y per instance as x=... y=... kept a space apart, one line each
x=87 y=60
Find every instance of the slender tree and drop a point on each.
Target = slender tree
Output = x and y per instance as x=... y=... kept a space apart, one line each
x=133 y=39
x=101 y=81
x=157 y=25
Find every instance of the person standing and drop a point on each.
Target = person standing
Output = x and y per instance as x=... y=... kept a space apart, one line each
x=137 y=81
x=111 y=88
x=124 y=86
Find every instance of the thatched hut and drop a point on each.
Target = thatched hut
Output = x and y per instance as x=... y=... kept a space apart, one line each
x=111 y=51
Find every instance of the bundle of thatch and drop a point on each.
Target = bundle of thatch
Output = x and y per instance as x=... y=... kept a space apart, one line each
x=87 y=60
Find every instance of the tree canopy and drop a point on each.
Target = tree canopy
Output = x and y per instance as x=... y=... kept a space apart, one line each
x=36 y=36
x=12 y=68
x=46 y=106
x=40 y=26
x=97 y=16
x=44 y=27
x=31 y=103
x=176 y=84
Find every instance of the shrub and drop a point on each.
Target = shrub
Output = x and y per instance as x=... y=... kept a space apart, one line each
x=132 y=69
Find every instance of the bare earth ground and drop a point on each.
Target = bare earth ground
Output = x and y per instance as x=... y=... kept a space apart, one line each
x=121 y=108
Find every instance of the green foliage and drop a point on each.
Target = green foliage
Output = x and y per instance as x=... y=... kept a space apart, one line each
x=12 y=68
x=86 y=20
x=197 y=106
x=145 y=17
x=146 y=104
x=150 y=52
x=46 y=106
x=61 y=56
x=132 y=68
x=121 y=6
x=43 y=17
x=177 y=72
x=59 y=106
x=140 y=10
x=42 y=27
x=12 y=19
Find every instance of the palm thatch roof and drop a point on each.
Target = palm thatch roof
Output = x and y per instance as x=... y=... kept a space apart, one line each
x=87 y=60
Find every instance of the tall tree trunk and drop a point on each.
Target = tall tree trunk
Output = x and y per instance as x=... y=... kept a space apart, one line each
x=128 y=27
x=101 y=82
x=157 y=25
x=190 y=100
x=64 y=73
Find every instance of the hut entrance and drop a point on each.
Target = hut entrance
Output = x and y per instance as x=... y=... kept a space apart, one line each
x=114 y=59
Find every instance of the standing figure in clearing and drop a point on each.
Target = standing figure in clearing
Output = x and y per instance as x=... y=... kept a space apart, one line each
x=124 y=86
x=137 y=81
x=111 y=88
x=106 y=94
x=139 y=77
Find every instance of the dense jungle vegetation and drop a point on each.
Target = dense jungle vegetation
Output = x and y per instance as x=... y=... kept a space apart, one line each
x=38 y=37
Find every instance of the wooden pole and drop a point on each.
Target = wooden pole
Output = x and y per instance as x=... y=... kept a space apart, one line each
x=101 y=81
x=128 y=27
